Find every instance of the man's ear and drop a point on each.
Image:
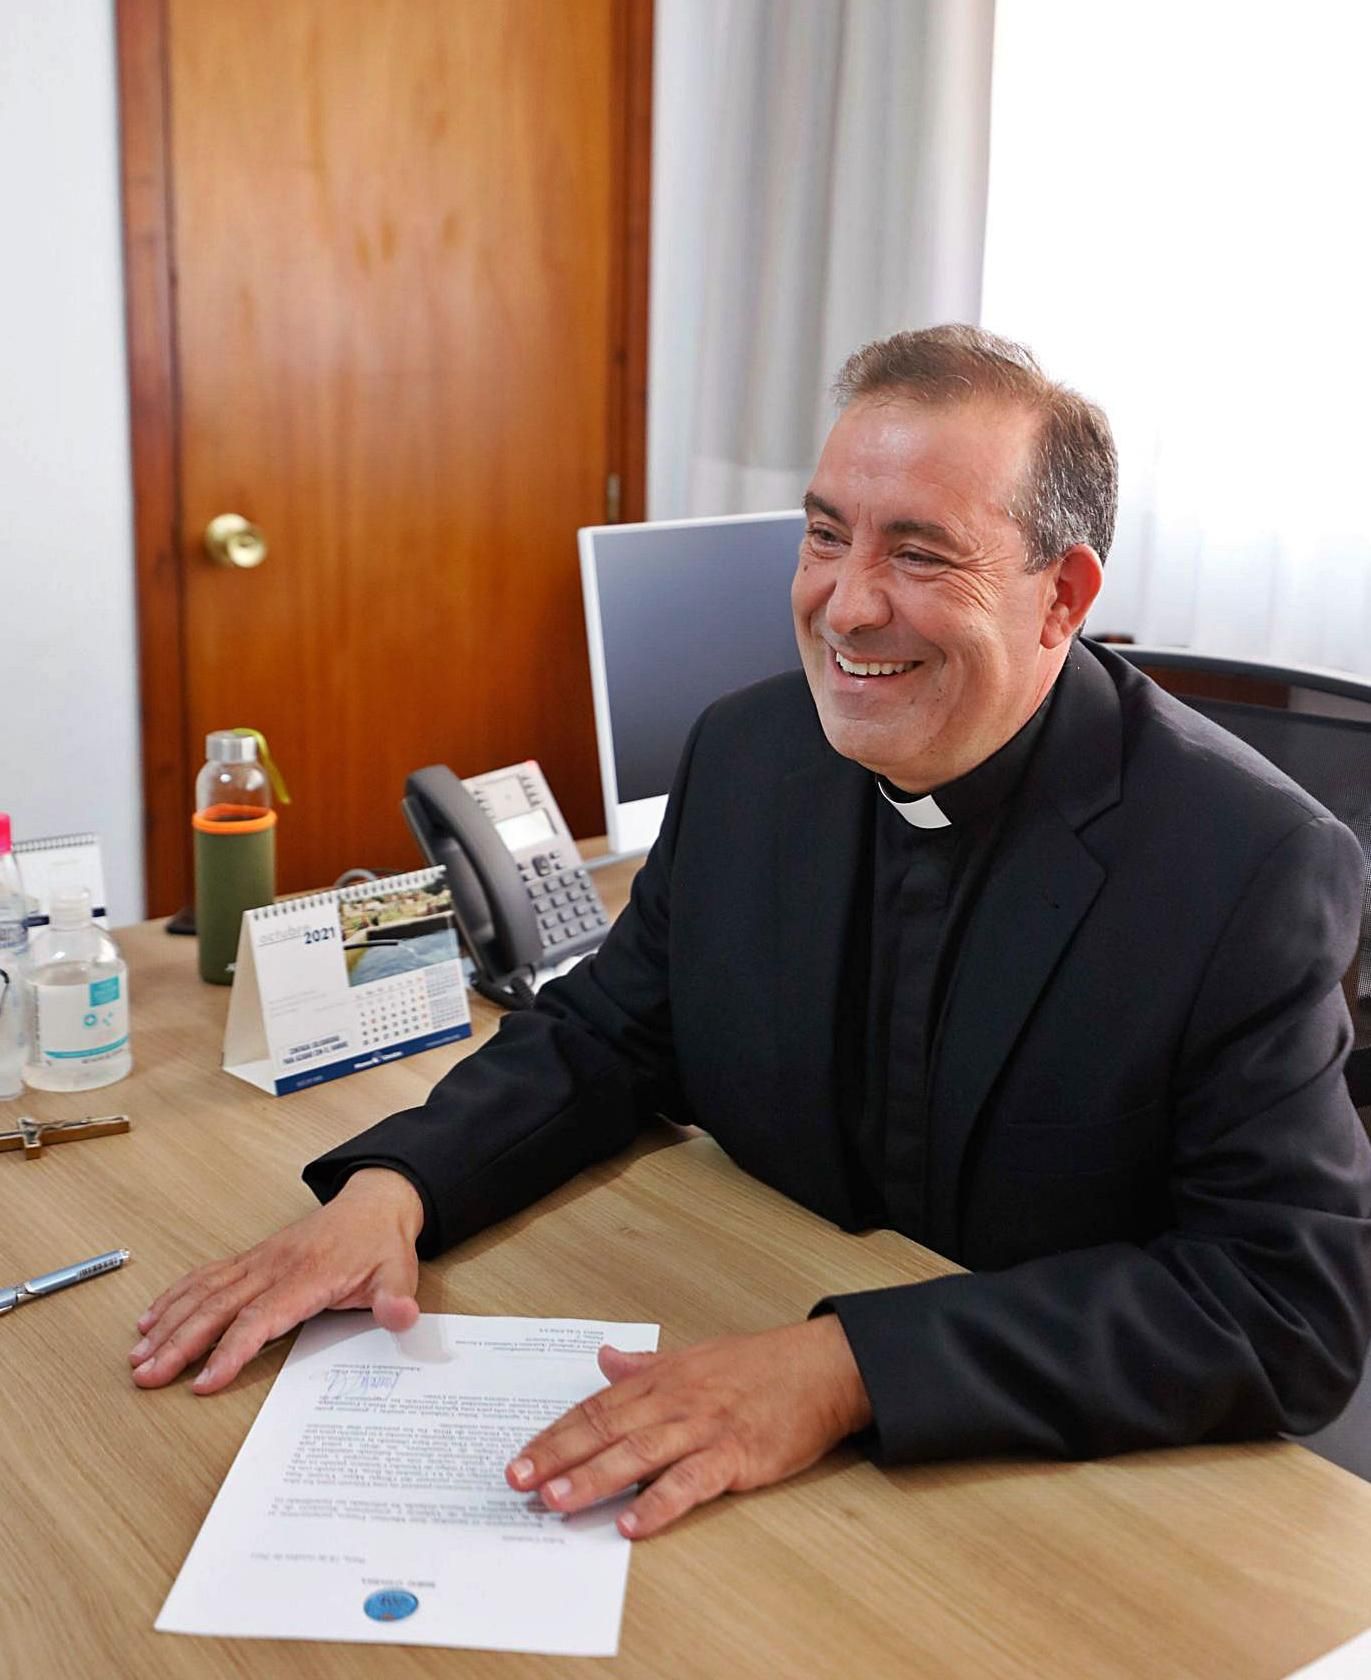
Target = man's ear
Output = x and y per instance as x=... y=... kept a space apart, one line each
x=1077 y=577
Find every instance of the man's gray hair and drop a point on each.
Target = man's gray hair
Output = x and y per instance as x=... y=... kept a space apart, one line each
x=1072 y=489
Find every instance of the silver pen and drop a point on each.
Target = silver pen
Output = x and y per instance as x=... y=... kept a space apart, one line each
x=51 y=1282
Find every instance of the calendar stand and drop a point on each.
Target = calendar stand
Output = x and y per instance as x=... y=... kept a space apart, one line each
x=338 y=982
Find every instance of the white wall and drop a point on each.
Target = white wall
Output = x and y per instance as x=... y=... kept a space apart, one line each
x=69 y=746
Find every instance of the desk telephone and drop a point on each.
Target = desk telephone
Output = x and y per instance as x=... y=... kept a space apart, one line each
x=521 y=896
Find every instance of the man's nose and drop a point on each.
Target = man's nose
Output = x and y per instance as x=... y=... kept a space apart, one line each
x=859 y=600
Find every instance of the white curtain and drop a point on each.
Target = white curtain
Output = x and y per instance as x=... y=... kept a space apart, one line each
x=819 y=180
x=1177 y=225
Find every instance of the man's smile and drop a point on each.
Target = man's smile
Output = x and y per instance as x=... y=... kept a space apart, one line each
x=873 y=667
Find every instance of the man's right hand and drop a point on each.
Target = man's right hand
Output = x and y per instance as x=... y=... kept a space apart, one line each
x=356 y=1251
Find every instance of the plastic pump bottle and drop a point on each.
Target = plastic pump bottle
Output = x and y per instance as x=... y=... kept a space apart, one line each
x=78 y=1002
x=14 y=941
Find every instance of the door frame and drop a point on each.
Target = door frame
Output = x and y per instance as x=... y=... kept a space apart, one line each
x=169 y=757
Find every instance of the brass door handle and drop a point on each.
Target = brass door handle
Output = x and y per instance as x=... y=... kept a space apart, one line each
x=231 y=540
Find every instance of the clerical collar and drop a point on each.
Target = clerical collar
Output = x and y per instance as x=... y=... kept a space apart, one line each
x=982 y=788
x=921 y=812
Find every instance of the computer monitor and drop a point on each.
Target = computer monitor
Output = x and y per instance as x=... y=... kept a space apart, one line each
x=678 y=612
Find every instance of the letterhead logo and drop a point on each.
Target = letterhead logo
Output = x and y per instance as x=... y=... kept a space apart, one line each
x=390 y=1605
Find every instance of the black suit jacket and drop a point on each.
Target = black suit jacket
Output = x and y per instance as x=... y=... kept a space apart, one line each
x=1139 y=1134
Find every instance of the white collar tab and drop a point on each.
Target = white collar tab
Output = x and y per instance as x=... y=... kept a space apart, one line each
x=919 y=813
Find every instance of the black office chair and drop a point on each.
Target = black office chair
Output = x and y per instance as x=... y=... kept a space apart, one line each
x=1316 y=726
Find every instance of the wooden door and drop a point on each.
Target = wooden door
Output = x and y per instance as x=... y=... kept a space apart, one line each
x=405 y=337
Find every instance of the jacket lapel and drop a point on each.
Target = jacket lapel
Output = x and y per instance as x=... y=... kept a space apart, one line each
x=1041 y=882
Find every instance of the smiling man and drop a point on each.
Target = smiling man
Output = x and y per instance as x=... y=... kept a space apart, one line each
x=927 y=637
x=970 y=932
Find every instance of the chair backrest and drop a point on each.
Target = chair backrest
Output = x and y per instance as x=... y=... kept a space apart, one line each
x=1316 y=727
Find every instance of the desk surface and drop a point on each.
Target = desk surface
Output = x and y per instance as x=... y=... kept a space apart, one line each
x=1238 y=1561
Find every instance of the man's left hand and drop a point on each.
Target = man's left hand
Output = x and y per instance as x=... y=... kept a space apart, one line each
x=740 y=1412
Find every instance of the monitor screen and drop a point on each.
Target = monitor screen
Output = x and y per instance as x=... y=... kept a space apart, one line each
x=677 y=613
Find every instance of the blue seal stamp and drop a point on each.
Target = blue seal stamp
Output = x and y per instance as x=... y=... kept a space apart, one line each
x=390 y=1605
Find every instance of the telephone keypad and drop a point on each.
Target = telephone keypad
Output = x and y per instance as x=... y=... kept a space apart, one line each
x=567 y=903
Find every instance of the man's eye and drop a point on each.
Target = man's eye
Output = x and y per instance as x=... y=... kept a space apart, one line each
x=820 y=536
x=917 y=559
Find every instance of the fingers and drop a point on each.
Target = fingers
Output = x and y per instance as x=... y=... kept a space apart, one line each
x=622 y=1436
x=639 y=1453
x=692 y=1472
x=693 y=1481
x=616 y=1364
x=739 y=1412
x=195 y=1282
x=260 y=1321
x=597 y=1423
x=193 y=1325
x=358 y=1251
x=190 y=1320
x=394 y=1311
x=242 y=1317
x=151 y=1313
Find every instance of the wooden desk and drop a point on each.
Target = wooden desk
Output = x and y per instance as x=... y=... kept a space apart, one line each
x=1209 y=1562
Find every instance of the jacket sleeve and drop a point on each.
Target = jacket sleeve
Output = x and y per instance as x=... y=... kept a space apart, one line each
x=560 y=1086
x=1248 y=1315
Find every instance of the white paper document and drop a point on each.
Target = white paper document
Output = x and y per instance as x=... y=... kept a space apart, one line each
x=1349 y=1662
x=369 y=1500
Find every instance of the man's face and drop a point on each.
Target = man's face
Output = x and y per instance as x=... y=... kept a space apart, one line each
x=913 y=571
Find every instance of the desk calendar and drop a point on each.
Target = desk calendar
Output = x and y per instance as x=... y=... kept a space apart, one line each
x=57 y=864
x=340 y=981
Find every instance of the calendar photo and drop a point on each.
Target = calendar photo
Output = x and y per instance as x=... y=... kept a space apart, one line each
x=386 y=934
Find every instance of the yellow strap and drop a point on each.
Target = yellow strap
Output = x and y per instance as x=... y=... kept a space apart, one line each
x=278 y=785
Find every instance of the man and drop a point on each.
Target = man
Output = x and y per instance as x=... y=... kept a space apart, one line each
x=972 y=932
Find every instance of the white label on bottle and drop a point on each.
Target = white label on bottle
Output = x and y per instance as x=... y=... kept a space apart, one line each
x=86 y=1023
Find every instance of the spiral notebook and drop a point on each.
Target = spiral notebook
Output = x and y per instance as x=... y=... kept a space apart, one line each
x=340 y=981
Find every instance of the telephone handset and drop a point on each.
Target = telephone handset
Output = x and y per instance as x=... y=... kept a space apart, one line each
x=521 y=896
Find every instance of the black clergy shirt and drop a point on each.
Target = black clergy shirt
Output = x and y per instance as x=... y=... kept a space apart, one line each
x=923 y=880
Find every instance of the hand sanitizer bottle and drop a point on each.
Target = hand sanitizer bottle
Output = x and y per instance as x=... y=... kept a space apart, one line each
x=14 y=942
x=78 y=1002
